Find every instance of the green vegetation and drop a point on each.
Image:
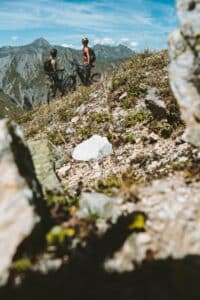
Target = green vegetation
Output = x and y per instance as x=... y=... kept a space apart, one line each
x=7 y=107
x=59 y=235
x=130 y=138
x=163 y=128
x=57 y=137
x=22 y=265
x=118 y=80
x=84 y=132
x=111 y=183
x=52 y=199
x=100 y=117
x=137 y=117
x=122 y=182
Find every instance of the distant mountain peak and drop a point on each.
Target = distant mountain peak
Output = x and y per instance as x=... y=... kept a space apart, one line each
x=41 y=42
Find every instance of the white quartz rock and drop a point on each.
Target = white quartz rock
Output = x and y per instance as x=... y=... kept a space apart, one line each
x=94 y=148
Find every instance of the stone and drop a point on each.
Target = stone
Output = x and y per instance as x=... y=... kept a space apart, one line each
x=172 y=209
x=170 y=202
x=153 y=137
x=184 y=70
x=192 y=135
x=21 y=206
x=43 y=161
x=75 y=119
x=155 y=104
x=62 y=172
x=81 y=110
x=95 y=148
x=123 y=96
x=99 y=205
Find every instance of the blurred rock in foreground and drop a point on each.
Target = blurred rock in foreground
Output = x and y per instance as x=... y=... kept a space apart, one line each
x=21 y=206
x=184 y=51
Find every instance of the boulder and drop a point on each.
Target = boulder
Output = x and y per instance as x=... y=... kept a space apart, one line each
x=106 y=210
x=155 y=104
x=95 y=148
x=184 y=70
x=21 y=206
x=100 y=206
x=173 y=216
x=44 y=166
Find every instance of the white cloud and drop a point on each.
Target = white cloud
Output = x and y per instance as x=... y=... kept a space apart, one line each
x=22 y=15
x=134 y=45
x=105 y=41
x=68 y=46
x=130 y=22
x=114 y=42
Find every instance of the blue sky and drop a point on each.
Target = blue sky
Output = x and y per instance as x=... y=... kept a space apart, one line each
x=138 y=24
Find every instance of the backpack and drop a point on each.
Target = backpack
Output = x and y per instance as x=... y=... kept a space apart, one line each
x=92 y=56
x=48 y=66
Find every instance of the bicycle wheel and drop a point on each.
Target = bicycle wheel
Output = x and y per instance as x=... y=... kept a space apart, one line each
x=95 y=77
x=69 y=85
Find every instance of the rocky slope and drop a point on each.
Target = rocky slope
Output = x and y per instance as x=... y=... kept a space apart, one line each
x=8 y=107
x=120 y=221
x=22 y=77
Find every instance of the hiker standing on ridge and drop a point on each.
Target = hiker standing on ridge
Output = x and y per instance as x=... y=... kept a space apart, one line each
x=51 y=69
x=52 y=58
x=89 y=58
x=55 y=79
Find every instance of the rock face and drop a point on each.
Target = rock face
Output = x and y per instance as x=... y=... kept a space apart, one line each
x=184 y=52
x=94 y=148
x=102 y=207
x=7 y=107
x=172 y=207
x=43 y=161
x=20 y=202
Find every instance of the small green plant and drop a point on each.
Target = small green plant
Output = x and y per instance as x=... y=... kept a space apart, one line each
x=163 y=128
x=118 y=81
x=111 y=182
x=64 y=115
x=129 y=102
x=129 y=139
x=54 y=198
x=84 y=132
x=59 y=235
x=31 y=131
x=100 y=118
x=137 y=117
x=57 y=137
x=136 y=89
x=22 y=265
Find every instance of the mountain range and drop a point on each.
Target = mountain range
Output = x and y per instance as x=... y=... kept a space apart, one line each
x=22 y=78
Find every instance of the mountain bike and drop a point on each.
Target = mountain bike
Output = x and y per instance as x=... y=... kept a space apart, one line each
x=58 y=81
x=68 y=83
x=78 y=70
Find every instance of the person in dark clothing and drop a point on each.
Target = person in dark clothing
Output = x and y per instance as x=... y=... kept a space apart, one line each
x=88 y=59
x=53 y=72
